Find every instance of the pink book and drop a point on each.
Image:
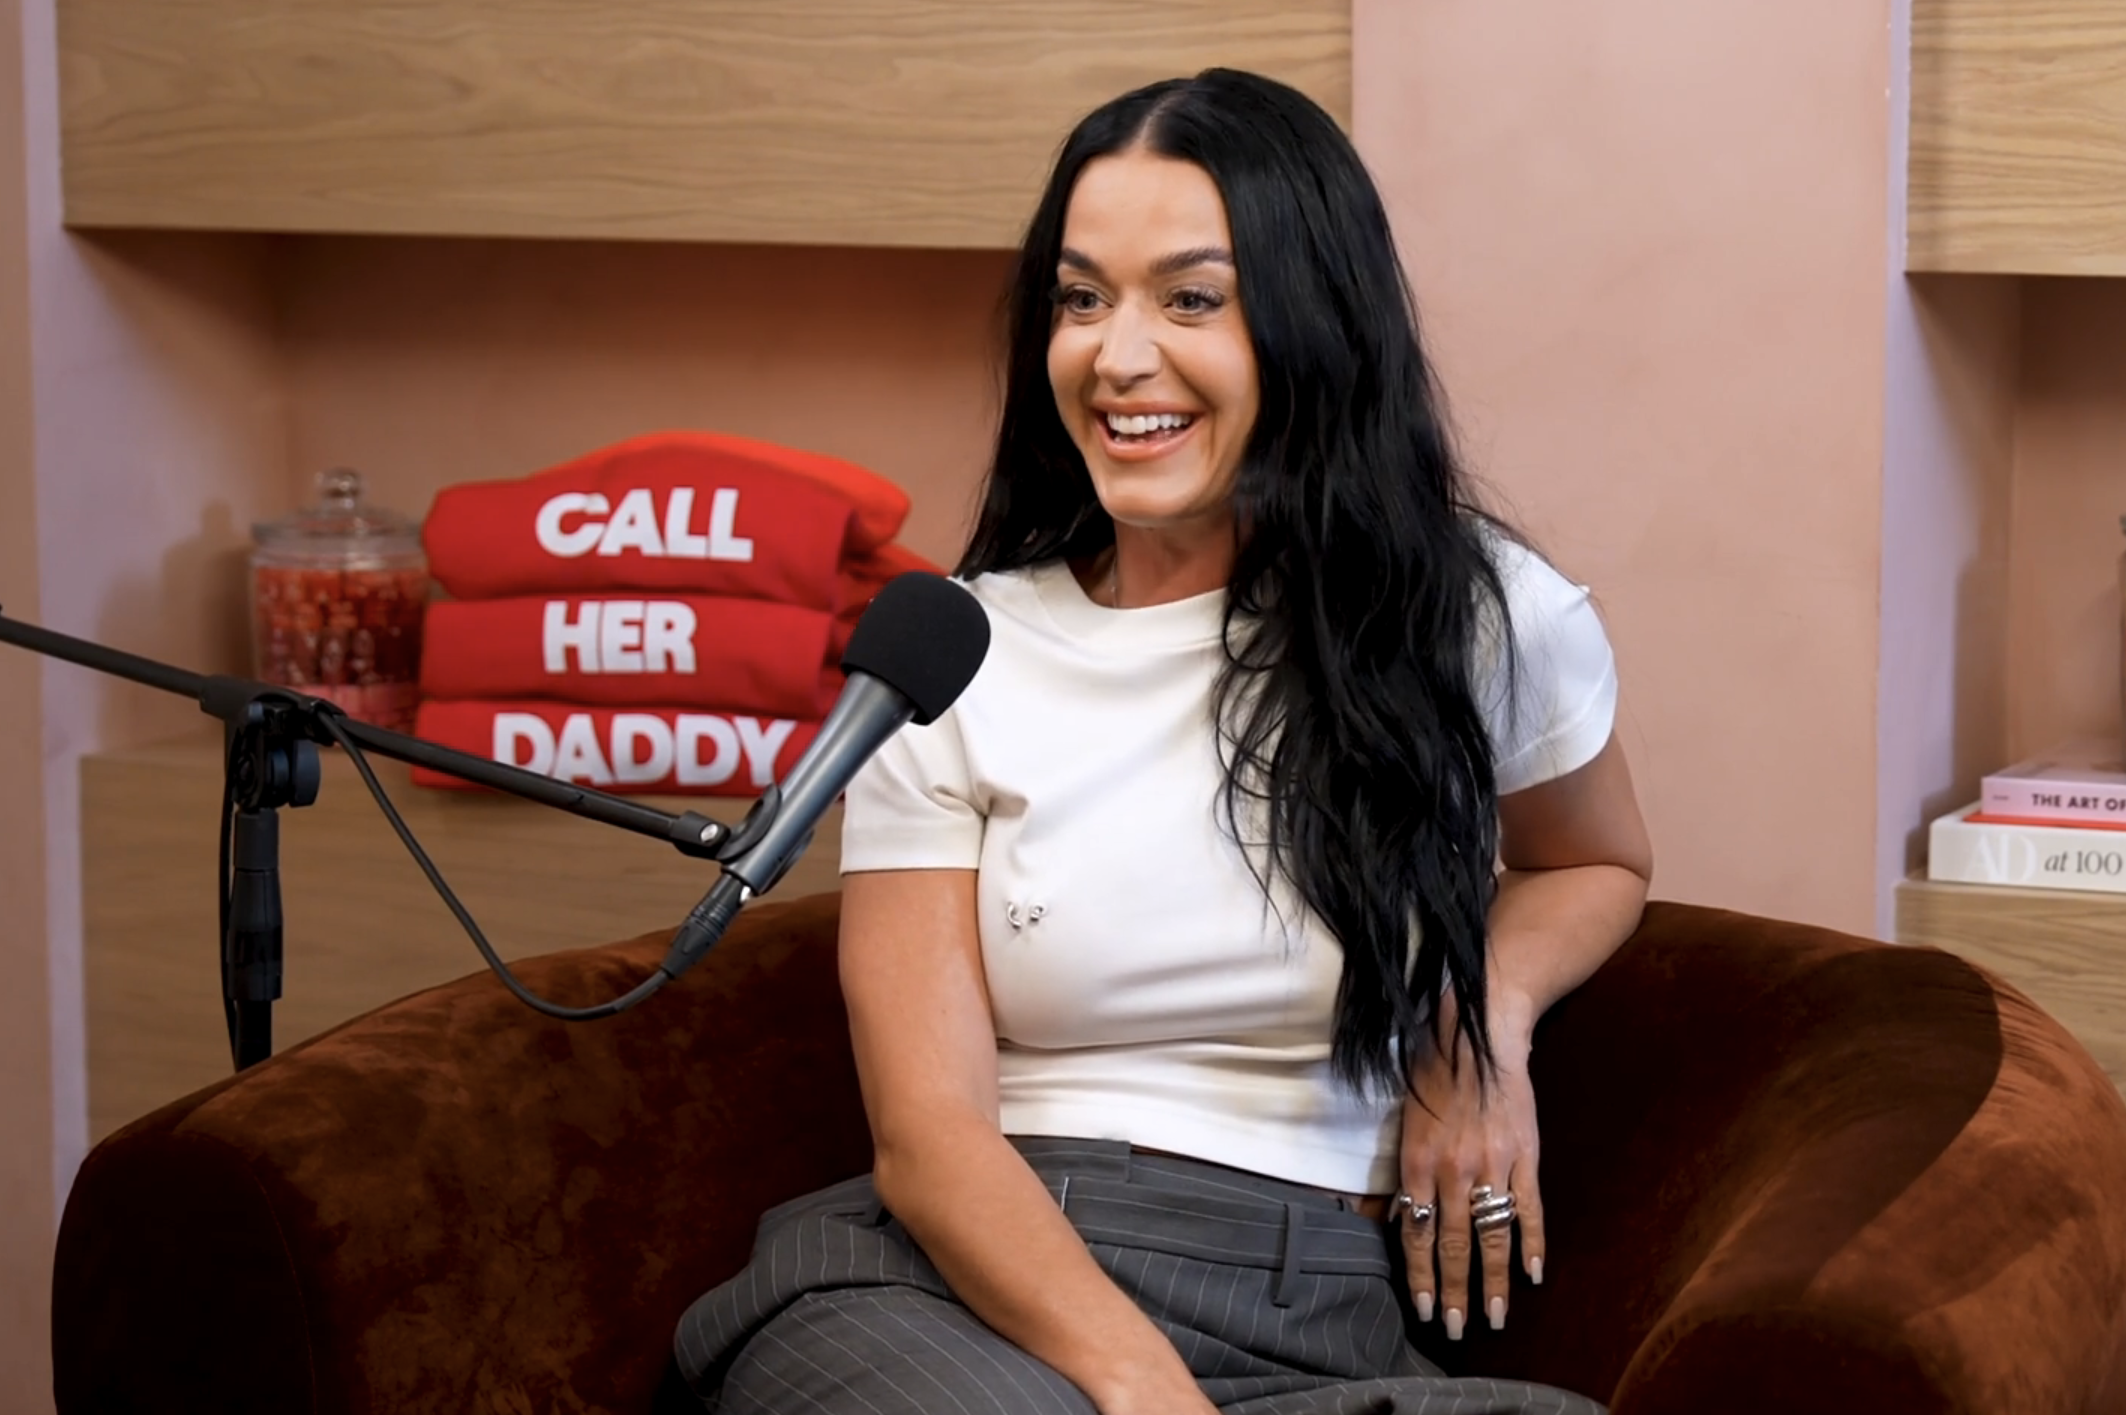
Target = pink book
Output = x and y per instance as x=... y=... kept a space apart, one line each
x=2081 y=782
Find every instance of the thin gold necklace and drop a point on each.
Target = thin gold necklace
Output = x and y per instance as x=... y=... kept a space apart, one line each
x=1114 y=579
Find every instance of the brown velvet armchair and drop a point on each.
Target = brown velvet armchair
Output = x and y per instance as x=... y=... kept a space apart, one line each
x=1785 y=1170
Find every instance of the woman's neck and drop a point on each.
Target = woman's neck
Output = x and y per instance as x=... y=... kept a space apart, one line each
x=1149 y=567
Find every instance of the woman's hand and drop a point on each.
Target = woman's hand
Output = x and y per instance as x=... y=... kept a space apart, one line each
x=1577 y=864
x=1470 y=1138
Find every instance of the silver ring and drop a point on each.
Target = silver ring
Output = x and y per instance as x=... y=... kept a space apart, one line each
x=1412 y=1209
x=1489 y=1209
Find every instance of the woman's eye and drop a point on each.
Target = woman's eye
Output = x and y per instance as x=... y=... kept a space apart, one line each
x=1077 y=299
x=1197 y=301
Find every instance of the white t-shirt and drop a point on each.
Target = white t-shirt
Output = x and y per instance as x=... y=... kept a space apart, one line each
x=1143 y=988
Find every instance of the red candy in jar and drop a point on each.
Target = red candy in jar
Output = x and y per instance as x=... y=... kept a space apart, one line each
x=337 y=594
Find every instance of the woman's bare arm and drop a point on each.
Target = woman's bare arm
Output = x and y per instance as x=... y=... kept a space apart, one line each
x=1578 y=862
x=925 y=1039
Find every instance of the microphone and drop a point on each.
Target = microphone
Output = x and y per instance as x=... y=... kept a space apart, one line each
x=912 y=654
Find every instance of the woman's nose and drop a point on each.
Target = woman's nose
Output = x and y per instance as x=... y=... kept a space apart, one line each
x=1129 y=352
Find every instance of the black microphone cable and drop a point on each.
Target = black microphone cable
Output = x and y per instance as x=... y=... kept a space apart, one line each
x=328 y=716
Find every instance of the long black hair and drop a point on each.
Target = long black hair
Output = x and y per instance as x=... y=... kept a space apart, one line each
x=1347 y=707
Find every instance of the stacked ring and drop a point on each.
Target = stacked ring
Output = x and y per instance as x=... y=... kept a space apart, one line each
x=1488 y=1209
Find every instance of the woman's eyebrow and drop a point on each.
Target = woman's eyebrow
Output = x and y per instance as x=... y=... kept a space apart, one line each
x=1172 y=263
x=1178 y=261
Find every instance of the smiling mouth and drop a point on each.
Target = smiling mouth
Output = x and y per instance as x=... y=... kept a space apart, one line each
x=1145 y=429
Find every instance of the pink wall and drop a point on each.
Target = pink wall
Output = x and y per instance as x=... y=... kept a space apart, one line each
x=428 y=362
x=1649 y=239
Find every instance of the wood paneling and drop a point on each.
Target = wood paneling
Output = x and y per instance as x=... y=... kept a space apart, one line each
x=363 y=925
x=2065 y=950
x=2018 y=137
x=823 y=122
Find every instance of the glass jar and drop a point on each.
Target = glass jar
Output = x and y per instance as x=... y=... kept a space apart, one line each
x=337 y=594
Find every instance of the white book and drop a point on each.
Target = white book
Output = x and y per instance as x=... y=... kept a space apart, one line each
x=2032 y=856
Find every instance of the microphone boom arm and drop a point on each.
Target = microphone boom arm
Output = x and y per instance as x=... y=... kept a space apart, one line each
x=270 y=739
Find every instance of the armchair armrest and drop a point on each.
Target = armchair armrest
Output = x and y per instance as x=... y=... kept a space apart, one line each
x=455 y=1203
x=1787 y=1169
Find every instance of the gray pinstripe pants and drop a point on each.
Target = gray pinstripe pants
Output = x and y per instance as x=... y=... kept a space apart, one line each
x=1281 y=1302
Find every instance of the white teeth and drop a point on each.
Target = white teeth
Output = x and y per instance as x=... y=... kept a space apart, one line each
x=1141 y=424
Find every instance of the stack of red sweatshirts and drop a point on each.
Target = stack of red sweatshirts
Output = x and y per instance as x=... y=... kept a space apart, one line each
x=667 y=614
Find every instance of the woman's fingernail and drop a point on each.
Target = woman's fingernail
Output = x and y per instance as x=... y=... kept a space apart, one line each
x=1424 y=1306
x=1535 y=1271
x=1454 y=1324
x=1498 y=1313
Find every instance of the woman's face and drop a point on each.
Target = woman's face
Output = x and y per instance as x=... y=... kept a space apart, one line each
x=1150 y=359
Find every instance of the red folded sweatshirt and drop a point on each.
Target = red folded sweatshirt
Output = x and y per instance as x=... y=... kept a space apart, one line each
x=688 y=512
x=742 y=655
x=666 y=750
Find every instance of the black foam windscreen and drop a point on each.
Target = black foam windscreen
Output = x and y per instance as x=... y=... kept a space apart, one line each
x=923 y=636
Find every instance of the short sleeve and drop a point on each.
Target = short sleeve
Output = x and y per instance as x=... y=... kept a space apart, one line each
x=912 y=806
x=1554 y=713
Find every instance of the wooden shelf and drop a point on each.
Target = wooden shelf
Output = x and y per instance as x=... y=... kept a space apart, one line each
x=817 y=122
x=363 y=925
x=2018 y=137
x=2065 y=950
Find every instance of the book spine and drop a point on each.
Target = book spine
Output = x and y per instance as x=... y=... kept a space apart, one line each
x=2068 y=802
x=2030 y=856
x=1985 y=817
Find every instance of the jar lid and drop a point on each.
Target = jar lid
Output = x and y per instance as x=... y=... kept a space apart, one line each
x=340 y=525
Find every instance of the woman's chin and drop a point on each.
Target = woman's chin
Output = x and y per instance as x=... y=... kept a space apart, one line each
x=1145 y=515
x=1134 y=499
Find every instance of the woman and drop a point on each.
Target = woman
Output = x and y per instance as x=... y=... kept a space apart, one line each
x=1147 y=940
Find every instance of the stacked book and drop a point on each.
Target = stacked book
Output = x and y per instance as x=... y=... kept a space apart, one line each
x=2056 y=821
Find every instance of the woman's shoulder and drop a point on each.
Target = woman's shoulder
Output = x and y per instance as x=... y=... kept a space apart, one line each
x=1010 y=597
x=1551 y=702
x=1000 y=586
x=1017 y=603
x=1535 y=590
